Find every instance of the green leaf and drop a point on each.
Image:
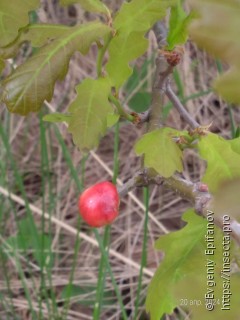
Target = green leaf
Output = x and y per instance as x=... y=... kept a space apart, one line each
x=10 y=50
x=12 y=17
x=140 y=102
x=178 y=25
x=222 y=161
x=227 y=85
x=160 y=152
x=123 y=49
x=89 y=5
x=192 y=255
x=89 y=113
x=193 y=288
x=235 y=144
x=184 y=250
x=140 y=15
x=112 y=119
x=37 y=34
x=226 y=200
x=32 y=82
x=132 y=22
x=2 y=65
x=139 y=75
x=57 y=117
x=220 y=39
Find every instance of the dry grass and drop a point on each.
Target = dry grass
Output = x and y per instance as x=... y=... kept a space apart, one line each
x=197 y=72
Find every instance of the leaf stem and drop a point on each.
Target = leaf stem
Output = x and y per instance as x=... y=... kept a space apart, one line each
x=101 y=53
x=180 y=108
x=122 y=112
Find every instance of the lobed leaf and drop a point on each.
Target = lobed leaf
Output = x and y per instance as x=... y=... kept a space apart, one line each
x=2 y=65
x=228 y=85
x=132 y=22
x=226 y=200
x=89 y=112
x=217 y=31
x=184 y=254
x=32 y=82
x=160 y=152
x=194 y=287
x=235 y=144
x=13 y=17
x=89 y=5
x=183 y=274
x=222 y=160
x=37 y=34
x=124 y=48
x=178 y=26
x=141 y=101
x=112 y=119
x=140 y=15
x=40 y=34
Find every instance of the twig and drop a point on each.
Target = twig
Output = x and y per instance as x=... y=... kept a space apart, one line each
x=196 y=193
x=140 y=179
x=128 y=186
x=160 y=31
x=178 y=105
x=163 y=70
x=143 y=116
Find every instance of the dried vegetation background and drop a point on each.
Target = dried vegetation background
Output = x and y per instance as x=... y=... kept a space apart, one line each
x=196 y=72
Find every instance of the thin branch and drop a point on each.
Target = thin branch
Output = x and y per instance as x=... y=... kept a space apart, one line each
x=144 y=116
x=141 y=178
x=128 y=186
x=178 y=105
x=160 y=31
x=196 y=193
x=163 y=70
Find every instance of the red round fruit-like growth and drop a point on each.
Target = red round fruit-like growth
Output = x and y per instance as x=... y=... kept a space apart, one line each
x=99 y=204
